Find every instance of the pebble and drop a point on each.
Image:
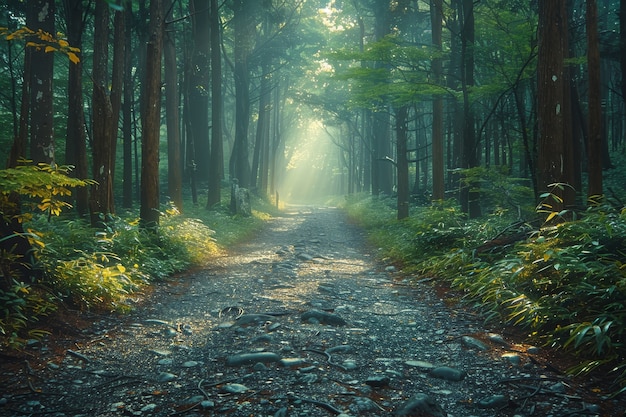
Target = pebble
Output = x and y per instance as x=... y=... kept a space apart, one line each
x=288 y=362
x=420 y=364
x=166 y=377
x=235 y=388
x=323 y=317
x=421 y=405
x=148 y=407
x=494 y=401
x=249 y=358
x=512 y=358
x=377 y=381
x=190 y=364
x=447 y=373
x=474 y=343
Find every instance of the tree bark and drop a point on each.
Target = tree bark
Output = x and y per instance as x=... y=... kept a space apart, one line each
x=174 y=174
x=198 y=87
x=40 y=15
x=553 y=103
x=149 y=211
x=76 y=139
x=437 y=139
x=216 y=169
x=402 y=163
x=594 y=147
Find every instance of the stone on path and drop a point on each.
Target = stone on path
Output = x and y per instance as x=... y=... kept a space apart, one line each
x=323 y=317
x=421 y=405
x=250 y=358
x=447 y=373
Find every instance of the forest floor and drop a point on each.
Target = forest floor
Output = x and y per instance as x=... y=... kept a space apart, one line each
x=299 y=321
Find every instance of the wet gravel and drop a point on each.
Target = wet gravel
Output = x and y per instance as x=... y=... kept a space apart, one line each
x=300 y=321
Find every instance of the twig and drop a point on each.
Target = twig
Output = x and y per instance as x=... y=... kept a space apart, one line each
x=329 y=358
x=78 y=355
x=320 y=404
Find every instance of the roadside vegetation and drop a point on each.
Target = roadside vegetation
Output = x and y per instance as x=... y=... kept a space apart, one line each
x=80 y=267
x=561 y=276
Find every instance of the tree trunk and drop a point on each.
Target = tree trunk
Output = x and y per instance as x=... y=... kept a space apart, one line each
x=102 y=117
x=216 y=168
x=470 y=197
x=76 y=139
x=174 y=174
x=402 y=163
x=41 y=16
x=244 y=31
x=437 y=139
x=594 y=147
x=151 y=120
x=127 y=116
x=198 y=91
x=553 y=103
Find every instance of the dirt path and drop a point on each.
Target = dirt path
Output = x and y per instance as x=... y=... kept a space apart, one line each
x=300 y=321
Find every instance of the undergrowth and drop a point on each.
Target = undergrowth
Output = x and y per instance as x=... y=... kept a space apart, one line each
x=106 y=268
x=564 y=283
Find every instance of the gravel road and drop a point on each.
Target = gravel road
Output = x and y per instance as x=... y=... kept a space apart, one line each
x=299 y=321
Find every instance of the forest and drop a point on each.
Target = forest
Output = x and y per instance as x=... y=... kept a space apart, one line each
x=480 y=143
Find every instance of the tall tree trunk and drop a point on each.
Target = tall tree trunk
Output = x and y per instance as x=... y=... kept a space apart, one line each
x=553 y=103
x=437 y=139
x=216 y=168
x=127 y=116
x=470 y=198
x=40 y=15
x=244 y=31
x=594 y=148
x=402 y=163
x=198 y=91
x=101 y=200
x=76 y=140
x=151 y=120
x=622 y=46
x=174 y=174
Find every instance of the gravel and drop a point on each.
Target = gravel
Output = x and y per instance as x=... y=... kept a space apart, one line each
x=300 y=321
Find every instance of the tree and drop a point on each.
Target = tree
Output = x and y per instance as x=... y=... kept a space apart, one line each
x=553 y=101
x=174 y=174
x=436 y=16
x=40 y=16
x=76 y=140
x=244 y=38
x=101 y=199
x=594 y=147
x=216 y=168
x=197 y=101
x=151 y=119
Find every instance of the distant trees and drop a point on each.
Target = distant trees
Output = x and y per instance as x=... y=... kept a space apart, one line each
x=420 y=99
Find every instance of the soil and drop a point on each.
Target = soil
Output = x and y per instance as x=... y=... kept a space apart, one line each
x=299 y=321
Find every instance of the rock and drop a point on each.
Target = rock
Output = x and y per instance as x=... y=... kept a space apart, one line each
x=473 y=343
x=377 y=381
x=148 y=408
x=161 y=352
x=235 y=388
x=206 y=404
x=512 y=358
x=349 y=364
x=447 y=373
x=340 y=349
x=533 y=350
x=421 y=405
x=190 y=364
x=496 y=338
x=249 y=358
x=494 y=401
x=304 y=257
x=420 y=364
x=363 y=404
x=166 y=361
x=254 y=318
x=166 y=377
x=287 y=362
x=323 y=317
x=259 y=367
